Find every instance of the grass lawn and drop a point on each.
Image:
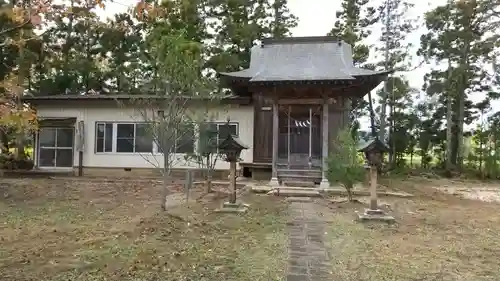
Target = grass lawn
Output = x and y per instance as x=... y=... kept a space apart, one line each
x=437 y=237
x=114 y=230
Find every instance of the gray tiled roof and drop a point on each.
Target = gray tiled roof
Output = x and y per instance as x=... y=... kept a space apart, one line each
x=302 y=58
x=372 y=142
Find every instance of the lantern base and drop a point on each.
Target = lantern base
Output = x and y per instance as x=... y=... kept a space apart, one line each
x=375 y=215
x=324 y=184
x=228 y=207
x=274 y=182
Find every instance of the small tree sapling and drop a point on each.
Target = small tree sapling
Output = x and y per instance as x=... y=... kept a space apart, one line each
x=171 y=111
x=206 y=154
x=344 y=163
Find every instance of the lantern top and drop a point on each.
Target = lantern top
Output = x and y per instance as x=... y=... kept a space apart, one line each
x=232 y=143
x=374 y=144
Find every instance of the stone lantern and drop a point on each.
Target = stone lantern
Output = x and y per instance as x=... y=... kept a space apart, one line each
x=374 y=150
x=231 y=148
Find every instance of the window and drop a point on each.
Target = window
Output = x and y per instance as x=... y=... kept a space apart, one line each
x=183 y=137
x=226 y=129
x=220 y=131
x=104 y=137
x=185 y=140
x=55 y=147
x=133 y=138
x=125 y=137
x=137 y=138
x=143 y=138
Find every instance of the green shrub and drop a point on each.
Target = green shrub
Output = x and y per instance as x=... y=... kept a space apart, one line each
x=8 y=161
x=344 y=164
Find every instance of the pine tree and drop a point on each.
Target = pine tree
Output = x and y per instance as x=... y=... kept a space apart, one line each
x=458 y=33
x=351 y=26
x=283 y=21
x=396 y=27
x=120 y=58
x=68 y=60
x=394 y=47
x=353 y=21
x=241 y=23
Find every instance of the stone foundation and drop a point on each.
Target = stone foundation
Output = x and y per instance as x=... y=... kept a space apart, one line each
x=375 y=215
x=149 y=172
x=97 y=172
x=261 y=175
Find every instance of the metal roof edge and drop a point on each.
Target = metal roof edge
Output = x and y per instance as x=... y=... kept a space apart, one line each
x=115 y=98
x=301 y=40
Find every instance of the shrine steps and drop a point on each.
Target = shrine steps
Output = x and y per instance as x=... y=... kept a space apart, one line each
x=299 y=177
x=297 y=183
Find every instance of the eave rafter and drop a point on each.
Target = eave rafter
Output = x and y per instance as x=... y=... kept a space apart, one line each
x=305 y=89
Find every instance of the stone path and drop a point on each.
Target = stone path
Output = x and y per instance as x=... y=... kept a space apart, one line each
x=308 y=258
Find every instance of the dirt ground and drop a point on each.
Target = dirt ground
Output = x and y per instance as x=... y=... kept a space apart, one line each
x=477 y=190
x=114 y=230
x=440 y=234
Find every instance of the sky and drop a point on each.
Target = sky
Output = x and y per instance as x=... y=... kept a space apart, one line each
x=317 y=17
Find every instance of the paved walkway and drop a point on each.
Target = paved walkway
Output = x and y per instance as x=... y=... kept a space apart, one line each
x=308 y=258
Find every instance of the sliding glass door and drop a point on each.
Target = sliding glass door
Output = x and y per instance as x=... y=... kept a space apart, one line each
x=55 y=147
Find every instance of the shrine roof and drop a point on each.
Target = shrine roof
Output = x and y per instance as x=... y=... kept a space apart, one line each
x=373 y=143
x=302 y=59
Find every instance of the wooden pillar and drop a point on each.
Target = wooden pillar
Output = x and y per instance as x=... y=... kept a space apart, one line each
x=347 y=115
x=232 y=181
x=288 y=134
x=274 y=175
x=324 y=151
x=373 y=188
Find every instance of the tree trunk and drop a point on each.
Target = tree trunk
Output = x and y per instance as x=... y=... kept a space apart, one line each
x=449 y=125
x=383 y=102
x=464 y=81
x=449 y=121
x=166 y=180
x=393 y=157
x=372 y=115
x=495 y=155
x=19 y=137
x=383 y=106
x=20 y=146
x=461 y=105
x=349 y=188
x=209 y=175
x=4 y=139
x=481 y=155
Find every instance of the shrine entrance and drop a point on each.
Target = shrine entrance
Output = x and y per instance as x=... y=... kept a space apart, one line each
x=298 y=114
x=300 y=136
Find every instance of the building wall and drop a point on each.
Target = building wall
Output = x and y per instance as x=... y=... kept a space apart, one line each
x=90 y=114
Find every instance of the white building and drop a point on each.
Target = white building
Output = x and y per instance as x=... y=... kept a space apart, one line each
x=113 y=137
x=288 y=108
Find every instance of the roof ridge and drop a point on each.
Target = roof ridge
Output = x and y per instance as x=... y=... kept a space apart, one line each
x=301 y=40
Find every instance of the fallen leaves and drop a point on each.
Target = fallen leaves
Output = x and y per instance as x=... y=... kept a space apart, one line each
x=114 y=230
x=438 y=237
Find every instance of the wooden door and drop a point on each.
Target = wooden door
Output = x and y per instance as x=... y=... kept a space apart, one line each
x=263 y=130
